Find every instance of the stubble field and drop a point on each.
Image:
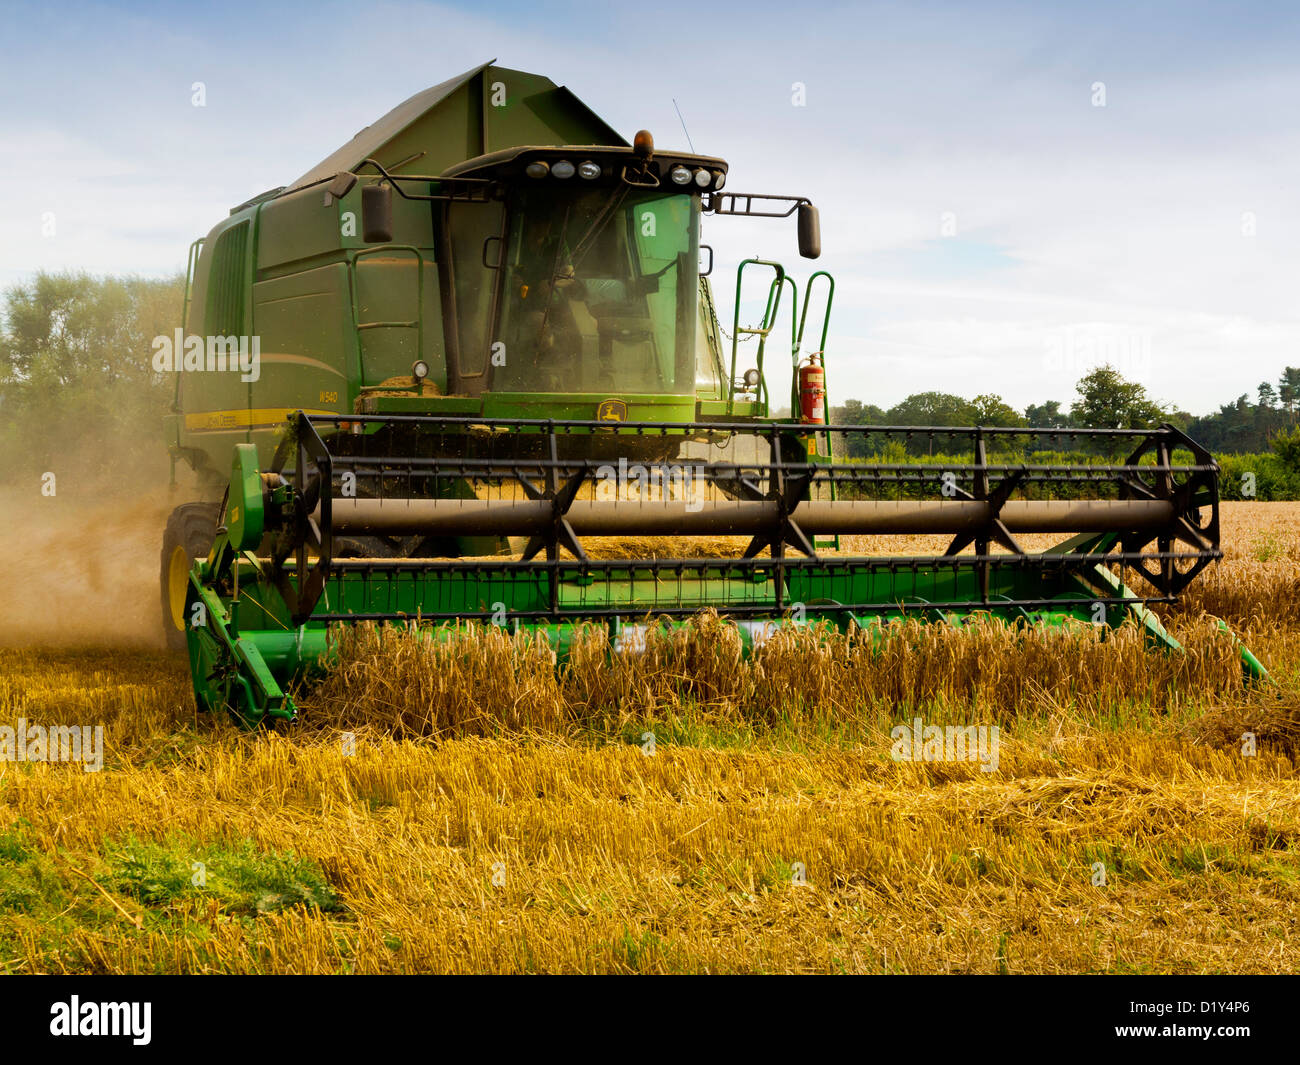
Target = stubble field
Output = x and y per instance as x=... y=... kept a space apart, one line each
x=680 y=811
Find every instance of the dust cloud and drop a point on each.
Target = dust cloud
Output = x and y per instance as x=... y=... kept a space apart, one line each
x=80 y=568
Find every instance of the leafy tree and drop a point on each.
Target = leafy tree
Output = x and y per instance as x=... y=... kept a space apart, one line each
x=991 y=410
x=849 y=413
x=1234 y=427
x=1107 y=401
x=931 y=408
x=1287 y=448
x=1047 y=415
x=855 y=412
x=1288 y=389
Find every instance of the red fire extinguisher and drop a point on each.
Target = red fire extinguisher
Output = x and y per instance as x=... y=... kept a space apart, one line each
x=812 y=389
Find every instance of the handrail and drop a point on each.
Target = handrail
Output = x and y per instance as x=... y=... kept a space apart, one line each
x=826 y=318
x=761 y=331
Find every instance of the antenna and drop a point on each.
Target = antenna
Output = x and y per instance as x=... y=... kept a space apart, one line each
x=683 y=122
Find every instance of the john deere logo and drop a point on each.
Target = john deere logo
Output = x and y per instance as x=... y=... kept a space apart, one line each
x=612 y=410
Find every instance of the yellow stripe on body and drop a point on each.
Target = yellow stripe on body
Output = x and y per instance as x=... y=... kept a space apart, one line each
x=216 y=421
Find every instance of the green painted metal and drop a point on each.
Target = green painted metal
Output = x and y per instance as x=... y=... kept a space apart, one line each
x=244 y=508
x=583 y=406
x=1253 y=667
x=826 y=314
x=764 y=328
x=227 y=667
x=486 y=109
x=191 y=260
x=798 y=325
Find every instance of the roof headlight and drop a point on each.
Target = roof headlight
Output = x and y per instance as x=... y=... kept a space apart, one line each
x=680 y=175
x=563 y=169
x=703 y=178
x=538 y=168
x=719 y=179
x=588 y=170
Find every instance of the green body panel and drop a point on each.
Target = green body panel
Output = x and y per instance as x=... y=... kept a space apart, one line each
x=579 y=406
x=245 y=510
x=305 y=356
x=394 y=403
x=483 y=110
x=721 y=408
x=418 y=596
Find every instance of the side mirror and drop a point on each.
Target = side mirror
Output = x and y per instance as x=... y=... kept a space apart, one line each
x=810 y=231
x=377 y=214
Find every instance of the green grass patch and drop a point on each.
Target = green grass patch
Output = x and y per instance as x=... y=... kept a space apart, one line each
x=243 y=879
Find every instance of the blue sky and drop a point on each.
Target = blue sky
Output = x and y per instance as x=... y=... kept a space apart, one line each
x=990 y=227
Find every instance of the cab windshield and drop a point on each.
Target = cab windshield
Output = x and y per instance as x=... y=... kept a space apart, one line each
x=599 y=292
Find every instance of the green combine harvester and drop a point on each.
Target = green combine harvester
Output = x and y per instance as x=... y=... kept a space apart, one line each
x=441 y=365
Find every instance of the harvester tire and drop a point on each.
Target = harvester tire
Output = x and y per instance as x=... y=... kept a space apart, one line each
x=190 y=531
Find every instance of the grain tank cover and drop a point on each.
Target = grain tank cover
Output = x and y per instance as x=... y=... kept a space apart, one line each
x=483 y=110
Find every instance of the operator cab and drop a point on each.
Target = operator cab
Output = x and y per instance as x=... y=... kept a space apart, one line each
x=579 y=272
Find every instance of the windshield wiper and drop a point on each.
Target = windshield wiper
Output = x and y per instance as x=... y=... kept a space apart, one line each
x=550 y=285
x=611 y=205
x=603 y=216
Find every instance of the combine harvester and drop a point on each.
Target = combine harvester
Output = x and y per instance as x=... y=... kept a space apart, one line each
x=486 y=341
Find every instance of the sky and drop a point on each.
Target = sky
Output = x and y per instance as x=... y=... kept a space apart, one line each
x=1010 y=194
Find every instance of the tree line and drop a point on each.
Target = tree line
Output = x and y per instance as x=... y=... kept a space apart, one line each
x=78 y=393
x=1104 y=400
x=1257 y=445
